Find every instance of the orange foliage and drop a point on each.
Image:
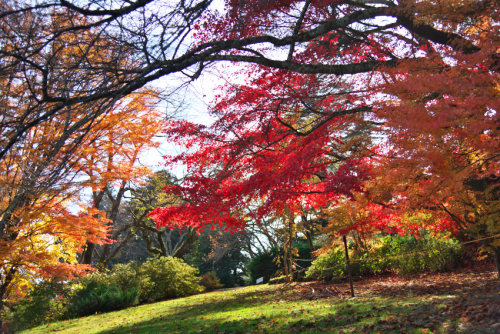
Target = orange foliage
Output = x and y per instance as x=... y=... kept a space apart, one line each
x=44 y=236
x=441 y=125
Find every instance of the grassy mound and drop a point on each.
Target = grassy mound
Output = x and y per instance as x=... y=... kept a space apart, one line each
x=445 y=303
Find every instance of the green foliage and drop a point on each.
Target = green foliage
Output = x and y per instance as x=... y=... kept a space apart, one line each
x=264 y=265
x=156 y=278
x=167 y=277
x=210 y=281
x=44 y=304
x=122 y=287
x=123 y=275
x=329 y=265
x=97 y=297
x=428 y=254
x=424 y=254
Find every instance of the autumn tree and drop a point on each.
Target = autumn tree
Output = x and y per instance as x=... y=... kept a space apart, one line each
x=331 y=37
x=447 y=162
x=42 y=178
x=160 y=241
x=286 y=140
x=44 y=235
x=41 y=236
x=111 y=164
x=318 y=71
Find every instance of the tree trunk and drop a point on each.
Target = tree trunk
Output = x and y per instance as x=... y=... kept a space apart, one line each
x=191 y=238
x=308 y=234
x=87 y=254
x=3 y=290
x=496 y=257
x=285 y=262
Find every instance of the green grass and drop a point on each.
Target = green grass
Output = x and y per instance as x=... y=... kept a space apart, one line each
x=268 y=309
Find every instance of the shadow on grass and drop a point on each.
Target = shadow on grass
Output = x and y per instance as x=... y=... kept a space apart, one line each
x=354 y=315
x=424 y=285
x=387 y=309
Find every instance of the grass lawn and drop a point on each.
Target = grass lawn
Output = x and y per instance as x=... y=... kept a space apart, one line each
x=464 y=301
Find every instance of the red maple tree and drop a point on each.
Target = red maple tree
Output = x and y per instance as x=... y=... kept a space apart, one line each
x=405 y=115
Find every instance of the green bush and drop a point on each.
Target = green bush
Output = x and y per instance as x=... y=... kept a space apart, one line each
x=264 y=265
x=210 y=281
x=43 y=304
x=330 y=265
x=97 y=297
x=156 y=279
x=425 y=254
x=122 y=287
x=167 y=277
x=123 y=275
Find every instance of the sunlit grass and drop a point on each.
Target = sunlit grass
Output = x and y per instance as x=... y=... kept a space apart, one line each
x=269 y=309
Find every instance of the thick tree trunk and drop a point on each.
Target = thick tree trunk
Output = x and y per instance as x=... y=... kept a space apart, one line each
x=191 y=238
x=87 y=254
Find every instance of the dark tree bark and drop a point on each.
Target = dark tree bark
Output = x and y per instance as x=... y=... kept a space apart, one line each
x=191 y=238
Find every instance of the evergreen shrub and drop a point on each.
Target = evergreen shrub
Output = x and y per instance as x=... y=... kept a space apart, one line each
x=43 y=304
x=424 y=254
x=96 y=297
x=264 y=265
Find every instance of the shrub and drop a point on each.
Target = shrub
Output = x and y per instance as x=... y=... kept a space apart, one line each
x=329 y=265
x=210 y=281
x=156 y=279
x=123 y=275
x=167 y=277
x=122 y=287
x=43 y=304
x=97 y=297
x=425 y=254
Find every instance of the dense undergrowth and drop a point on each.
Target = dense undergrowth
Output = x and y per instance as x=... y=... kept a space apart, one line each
x=462 y=301
x=167 y=278
x=405 y=255
x=124 y=286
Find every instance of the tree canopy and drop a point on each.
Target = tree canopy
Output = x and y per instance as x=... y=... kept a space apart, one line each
x=380 y=106
x=391 y=109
